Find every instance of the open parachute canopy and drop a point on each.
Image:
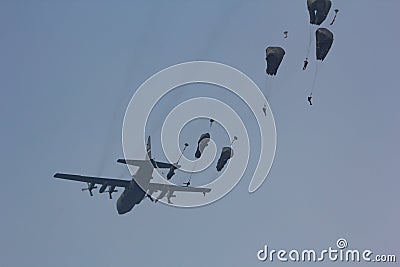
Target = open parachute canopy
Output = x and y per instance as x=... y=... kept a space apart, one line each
x=318 y=10
x=324 y=40
x=274 y=58
x=226 y=154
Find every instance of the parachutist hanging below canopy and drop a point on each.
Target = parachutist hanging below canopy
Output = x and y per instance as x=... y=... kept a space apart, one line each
x=318 y=10
x=202 y=144
x=305 y=63
x=309 y=99
x=274 y=57
x=285 y=33
x=324 y=40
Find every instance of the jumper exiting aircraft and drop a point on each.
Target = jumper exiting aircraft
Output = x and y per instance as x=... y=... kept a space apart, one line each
x=133 y=192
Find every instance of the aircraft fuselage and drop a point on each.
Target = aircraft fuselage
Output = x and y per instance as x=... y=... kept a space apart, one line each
x=131 y=196
x=134 y=194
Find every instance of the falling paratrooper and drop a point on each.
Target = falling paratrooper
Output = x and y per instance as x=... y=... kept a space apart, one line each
x=264 y=109
x=226 y=154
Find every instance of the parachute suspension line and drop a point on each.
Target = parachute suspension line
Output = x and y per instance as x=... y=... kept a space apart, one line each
x=273 y=86
x=233 y=140
x=186 y=145
x=309 y=41
x=266 y=87
x=269 y=85
x=315 y=78
x=191 y=173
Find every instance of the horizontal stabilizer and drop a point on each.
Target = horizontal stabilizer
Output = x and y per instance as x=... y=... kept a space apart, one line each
x=163 y=165
x=123 y=161
x=156 y=164
x=133 y=162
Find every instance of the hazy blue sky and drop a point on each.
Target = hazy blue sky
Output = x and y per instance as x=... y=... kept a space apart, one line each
x=69 y=68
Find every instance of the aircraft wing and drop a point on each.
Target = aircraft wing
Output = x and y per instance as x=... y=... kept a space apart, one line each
x=172 y=188
x=92 y=179
x=139 y=163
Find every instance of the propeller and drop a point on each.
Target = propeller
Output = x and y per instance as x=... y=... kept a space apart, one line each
x=150 y=197
x=111 y=189
x=90 y=187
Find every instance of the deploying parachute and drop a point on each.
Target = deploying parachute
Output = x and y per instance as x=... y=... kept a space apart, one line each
x=201 y=144
x=226 y=154
x=176 y=165
x=274 y=56
x=318 y=10
x=324 y=40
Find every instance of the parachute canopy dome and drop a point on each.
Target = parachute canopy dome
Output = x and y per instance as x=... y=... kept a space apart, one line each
x=274 y=58
x=318 y=10
x=226 y=154
x=201 y=144
x=324 y=39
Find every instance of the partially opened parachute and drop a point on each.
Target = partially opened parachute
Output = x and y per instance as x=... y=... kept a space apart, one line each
x=324 y=40
x=226 y=154
x=318 y=10
x=274 y=58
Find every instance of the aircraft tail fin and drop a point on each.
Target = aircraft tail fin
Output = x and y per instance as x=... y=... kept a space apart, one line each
x=156 y=164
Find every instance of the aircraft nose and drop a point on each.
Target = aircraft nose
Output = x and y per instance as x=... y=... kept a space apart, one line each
x=120 y=212
x=120 y=207
x=123 y=208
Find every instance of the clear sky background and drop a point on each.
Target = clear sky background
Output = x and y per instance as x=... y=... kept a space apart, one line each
x=69 y=68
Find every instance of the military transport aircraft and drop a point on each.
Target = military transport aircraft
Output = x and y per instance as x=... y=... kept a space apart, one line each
x=133 y=192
